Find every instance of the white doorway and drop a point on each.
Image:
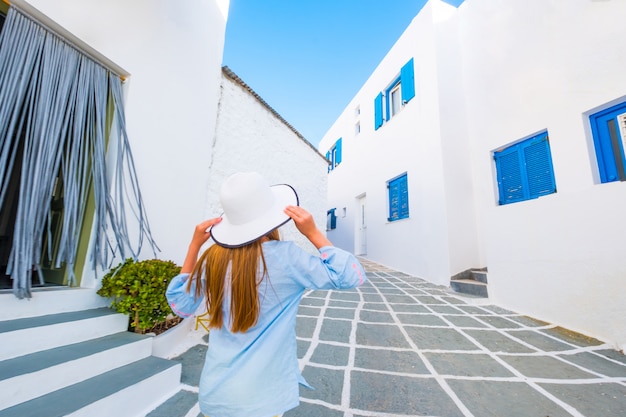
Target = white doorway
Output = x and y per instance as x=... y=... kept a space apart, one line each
x=361 y=238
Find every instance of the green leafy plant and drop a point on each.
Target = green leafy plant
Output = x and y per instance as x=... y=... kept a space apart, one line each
x=137 y=288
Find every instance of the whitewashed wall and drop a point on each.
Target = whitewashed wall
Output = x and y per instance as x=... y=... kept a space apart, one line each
x=439 y=239
x=173 y=56
x=251 y=136
x=533 y=65
x=488 y=74
x=464 y=249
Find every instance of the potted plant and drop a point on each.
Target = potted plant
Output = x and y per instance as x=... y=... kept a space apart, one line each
x=137 y=288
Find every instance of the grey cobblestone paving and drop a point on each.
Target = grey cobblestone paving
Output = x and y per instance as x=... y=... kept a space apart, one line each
x=400 y=346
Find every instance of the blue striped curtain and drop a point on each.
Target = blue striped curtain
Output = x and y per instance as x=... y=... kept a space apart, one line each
x=54 y=102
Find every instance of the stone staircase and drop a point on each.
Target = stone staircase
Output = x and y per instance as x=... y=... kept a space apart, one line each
x=82 y=362
x=472 y=283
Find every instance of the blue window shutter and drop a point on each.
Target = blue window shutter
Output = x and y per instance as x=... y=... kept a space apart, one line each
x=510 y=183
x=604 y=152
x=403 y=197
x=338 y=152
x=525 y=170
x=333 y=219
x=539 y=170
x=330 y=165
x=407 y=81
x=378 y=111
x=398 y=198
x=393 y=201
x=608 y=143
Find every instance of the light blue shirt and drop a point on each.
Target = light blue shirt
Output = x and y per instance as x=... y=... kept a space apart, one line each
x=256 y=373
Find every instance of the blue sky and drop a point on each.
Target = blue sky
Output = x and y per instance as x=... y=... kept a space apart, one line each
x=307 y=59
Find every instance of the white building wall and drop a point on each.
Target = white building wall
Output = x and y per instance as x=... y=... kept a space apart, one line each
x=488 y=74
x=173 y=56
x=460 y=206
x=250 y=136
x=439 y=224
x=532 y=65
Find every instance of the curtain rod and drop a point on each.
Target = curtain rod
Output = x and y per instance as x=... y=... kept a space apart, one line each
x=58 y=30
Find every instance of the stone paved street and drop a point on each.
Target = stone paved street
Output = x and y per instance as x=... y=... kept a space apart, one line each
x=400 y=346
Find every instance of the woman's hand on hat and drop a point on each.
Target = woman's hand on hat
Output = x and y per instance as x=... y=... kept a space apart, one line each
x=202 y=231
x=302 y=218
x=200 y=235
x=306 y=225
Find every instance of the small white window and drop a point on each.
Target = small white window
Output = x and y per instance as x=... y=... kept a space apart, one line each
x=621 y=121
x=357 y=128
x=395 y=99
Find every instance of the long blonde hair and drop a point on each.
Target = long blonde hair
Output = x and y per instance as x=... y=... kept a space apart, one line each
x=243 y=279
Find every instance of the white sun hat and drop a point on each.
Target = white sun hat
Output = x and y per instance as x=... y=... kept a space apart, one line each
x=252 y=209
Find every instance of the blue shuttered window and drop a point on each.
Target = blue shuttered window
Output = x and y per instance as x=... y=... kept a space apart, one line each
x=334 y=155
x=331 y=219
x=525 y=170
x=608 y=128
x=395 y=96
x=398 y=198
x=338 y=152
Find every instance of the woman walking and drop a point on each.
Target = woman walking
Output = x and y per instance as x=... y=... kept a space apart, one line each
x=252 y=283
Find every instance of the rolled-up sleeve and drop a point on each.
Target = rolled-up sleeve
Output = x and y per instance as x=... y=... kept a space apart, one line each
x=182 y=302
x=346 y=269
x=334 y=268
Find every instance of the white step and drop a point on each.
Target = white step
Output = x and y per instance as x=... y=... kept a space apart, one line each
x=470 y=286
x=36 y=374
x=129 y=391
x=29 y=335
x=47 y=301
